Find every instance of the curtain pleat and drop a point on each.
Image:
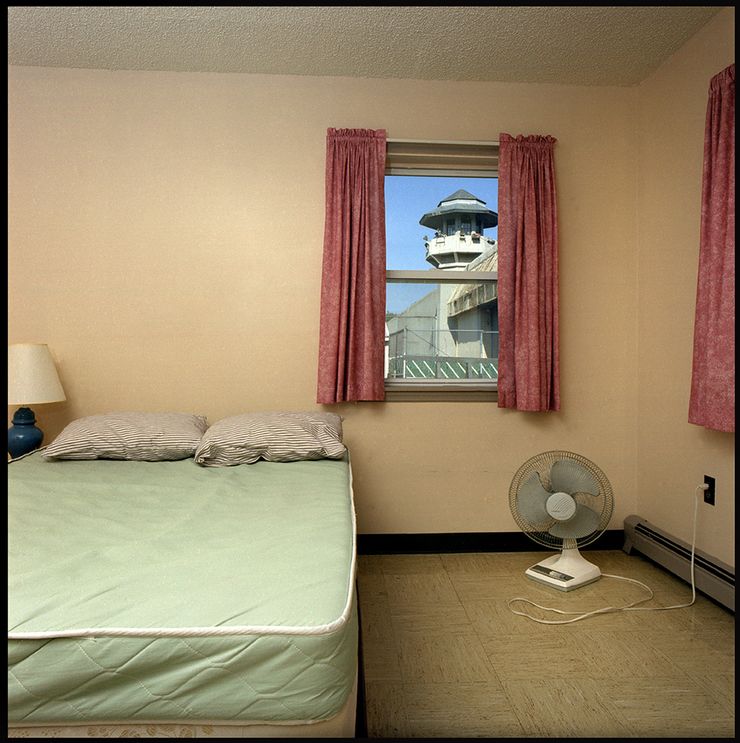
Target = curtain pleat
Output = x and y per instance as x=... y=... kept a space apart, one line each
x=712 y=400
x=528 y=275
x=352 y=323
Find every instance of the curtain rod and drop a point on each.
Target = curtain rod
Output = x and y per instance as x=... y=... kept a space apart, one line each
x=492 y=143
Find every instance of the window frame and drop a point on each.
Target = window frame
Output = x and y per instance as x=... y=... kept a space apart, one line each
x=442 y=158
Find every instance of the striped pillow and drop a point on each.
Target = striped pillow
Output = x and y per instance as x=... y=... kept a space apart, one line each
x=148 y=437
x=273 y=436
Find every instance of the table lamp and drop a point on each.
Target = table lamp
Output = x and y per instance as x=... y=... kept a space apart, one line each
x=32 y=380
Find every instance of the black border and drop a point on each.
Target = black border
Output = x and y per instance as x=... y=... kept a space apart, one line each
x=509 y=541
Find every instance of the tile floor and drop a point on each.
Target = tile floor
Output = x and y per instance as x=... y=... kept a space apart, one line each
x=444 y=656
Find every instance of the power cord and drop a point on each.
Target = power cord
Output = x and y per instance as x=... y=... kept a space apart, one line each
x=627 y=607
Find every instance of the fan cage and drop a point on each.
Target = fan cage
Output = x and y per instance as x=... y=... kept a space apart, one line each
x=603 y=503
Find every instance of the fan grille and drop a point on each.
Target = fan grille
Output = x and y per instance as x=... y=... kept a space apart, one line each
x=602 y=504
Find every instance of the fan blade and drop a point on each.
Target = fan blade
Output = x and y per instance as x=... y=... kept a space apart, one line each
x=584 y=522
x=570 y=477
x=531 y=500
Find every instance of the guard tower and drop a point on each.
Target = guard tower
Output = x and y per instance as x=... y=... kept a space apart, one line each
x=458 y=222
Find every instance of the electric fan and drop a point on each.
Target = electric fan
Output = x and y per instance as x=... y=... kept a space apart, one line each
x=563 y=501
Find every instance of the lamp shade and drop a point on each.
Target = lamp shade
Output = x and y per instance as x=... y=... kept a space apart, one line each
x=32 y=376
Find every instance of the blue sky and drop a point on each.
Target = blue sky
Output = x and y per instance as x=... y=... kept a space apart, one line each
x=407 y=199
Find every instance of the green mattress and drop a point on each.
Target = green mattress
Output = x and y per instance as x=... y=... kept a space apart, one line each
x=163 y=591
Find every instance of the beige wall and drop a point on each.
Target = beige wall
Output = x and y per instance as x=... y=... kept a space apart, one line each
x=165 y=241
x=674 y=455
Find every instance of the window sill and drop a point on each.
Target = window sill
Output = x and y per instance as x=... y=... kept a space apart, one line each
x=428 y=391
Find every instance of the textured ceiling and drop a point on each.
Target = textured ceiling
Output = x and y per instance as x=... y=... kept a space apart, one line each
x=572 y=45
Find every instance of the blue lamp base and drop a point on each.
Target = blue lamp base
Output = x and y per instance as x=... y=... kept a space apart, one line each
x=23 y=436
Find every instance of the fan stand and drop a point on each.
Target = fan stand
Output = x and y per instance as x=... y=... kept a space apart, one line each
x=566 y=571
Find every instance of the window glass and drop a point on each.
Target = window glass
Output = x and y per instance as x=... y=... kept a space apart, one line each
x=463 y=346
x=408 y=198
x=444 y=330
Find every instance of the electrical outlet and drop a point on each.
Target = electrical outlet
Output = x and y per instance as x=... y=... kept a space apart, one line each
x=709 y=492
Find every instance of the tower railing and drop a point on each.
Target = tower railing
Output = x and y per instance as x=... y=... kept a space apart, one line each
x=443 y=354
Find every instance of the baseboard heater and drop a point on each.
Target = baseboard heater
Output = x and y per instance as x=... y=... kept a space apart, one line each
x=712 y=577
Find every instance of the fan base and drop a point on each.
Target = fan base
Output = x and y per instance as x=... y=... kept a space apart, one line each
x=565 y=572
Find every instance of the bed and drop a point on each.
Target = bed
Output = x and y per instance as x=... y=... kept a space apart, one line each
x=166 y=599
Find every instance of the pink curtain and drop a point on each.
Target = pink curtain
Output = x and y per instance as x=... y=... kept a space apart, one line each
x=528 y=275
x=712 y=401
x=352 y=328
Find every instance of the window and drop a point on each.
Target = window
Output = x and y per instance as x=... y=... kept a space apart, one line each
x=442 y=262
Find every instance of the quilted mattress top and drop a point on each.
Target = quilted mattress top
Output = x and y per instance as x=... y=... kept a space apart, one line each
x=119 y=548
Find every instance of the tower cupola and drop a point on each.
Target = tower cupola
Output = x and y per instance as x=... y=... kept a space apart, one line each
x=458 y=222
